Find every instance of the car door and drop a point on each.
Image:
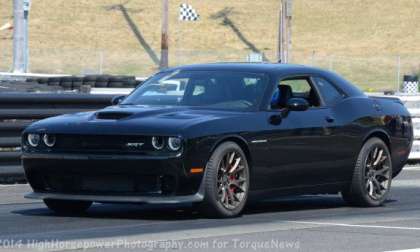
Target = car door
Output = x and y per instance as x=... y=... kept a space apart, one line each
x=344 y=144
x=301 y=145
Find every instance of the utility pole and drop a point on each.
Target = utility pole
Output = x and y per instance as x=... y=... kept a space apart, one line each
x=164 y=48
x=20 y=35
x=280 y=34
x=289 y=11
x=284 y=49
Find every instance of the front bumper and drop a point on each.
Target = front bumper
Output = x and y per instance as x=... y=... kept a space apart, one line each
x=111 y=178
x=119 y=199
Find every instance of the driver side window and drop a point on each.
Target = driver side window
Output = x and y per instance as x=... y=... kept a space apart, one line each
x=297 y=87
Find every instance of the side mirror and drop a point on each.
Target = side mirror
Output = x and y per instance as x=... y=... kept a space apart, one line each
x=117 y=99
x=297 y=104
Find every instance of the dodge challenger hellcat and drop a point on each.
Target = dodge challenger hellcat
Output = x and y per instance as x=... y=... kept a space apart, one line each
x=217 y=135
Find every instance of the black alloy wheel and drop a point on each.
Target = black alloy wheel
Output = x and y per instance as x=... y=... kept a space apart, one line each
x=232 y=180
x=377 y=173
x=226 y=182
x=372 y=176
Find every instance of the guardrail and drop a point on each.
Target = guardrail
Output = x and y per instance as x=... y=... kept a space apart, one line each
x=18 y=110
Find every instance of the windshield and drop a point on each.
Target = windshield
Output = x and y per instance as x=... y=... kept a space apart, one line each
x=222 y=90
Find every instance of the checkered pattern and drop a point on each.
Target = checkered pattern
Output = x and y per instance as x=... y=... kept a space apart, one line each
x=410 y=87
x=187 y=13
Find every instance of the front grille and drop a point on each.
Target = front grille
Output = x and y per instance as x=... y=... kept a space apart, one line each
x=102 y=184
x=102 y=144
x=103 y=177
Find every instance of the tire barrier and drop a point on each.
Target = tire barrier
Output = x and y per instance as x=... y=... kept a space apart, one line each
x=18 y=110
x=94 y=81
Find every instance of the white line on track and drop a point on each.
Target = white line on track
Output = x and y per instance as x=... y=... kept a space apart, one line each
x=405 y=250
x=354 y=225
x=12 y=185
x=411 y=168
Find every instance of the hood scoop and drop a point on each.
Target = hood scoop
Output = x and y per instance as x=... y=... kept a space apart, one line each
x=112 y=115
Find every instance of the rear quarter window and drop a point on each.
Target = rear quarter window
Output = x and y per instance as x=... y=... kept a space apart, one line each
x=328 y=91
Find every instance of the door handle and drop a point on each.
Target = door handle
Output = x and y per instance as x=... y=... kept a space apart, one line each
x=275 y=119
x=329 y=119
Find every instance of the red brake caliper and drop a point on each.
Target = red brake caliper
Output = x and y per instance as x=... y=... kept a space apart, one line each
x=232 y=178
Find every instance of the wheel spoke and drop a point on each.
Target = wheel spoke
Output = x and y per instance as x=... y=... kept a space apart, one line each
x=230 y=194
x=235 y=165
x=382 y=160
x=371 y=188
x=231 y=158
x=378 y=158
x=382 y=171
x=377 y=186
x=241 y=180
x=220 y=187
x=384 y=185
x=367 y=184
x=236 y=184
x=223 y=197
x=240 y=168
x=223 y=165
x=375 y=152
x=369 y=161
x=235 y=197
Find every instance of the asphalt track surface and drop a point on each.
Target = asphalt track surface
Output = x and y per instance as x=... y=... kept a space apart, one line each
x=305 y=223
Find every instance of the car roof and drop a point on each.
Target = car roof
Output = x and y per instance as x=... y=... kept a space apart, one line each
x=274 y=69
x=242 y=66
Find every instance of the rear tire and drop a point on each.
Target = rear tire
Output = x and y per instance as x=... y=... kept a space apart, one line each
x=372 y=176
x=226 y=182
x=67 y=206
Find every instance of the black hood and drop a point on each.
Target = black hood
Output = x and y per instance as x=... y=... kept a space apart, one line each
x=139 y=120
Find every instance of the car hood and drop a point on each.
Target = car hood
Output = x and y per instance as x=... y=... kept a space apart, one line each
x=147 y=120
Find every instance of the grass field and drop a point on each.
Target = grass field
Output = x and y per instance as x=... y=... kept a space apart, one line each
x=360 y=38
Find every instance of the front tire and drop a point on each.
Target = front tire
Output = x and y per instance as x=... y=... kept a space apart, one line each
x=226 y=182
x=372 y=175
x=69 y=207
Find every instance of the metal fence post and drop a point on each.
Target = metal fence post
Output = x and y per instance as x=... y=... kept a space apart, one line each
x=398 y=73
x=20 y=35
x=164 y=54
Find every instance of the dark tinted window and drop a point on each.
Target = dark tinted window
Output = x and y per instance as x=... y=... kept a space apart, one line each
x=299 y=87
x=222 y=90
x=329 y=93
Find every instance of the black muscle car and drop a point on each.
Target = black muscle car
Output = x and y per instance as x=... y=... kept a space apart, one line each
x=218 y=134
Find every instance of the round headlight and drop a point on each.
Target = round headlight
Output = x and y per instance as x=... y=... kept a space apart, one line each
x=49 y=140
x=34 y=139
x=174 y=143
x=158 y=143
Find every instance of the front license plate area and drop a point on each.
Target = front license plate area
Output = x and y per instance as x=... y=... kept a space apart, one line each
x=107 y=185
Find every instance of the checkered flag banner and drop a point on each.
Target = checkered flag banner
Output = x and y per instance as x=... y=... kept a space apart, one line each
x=187 y=13
x=410 y=87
